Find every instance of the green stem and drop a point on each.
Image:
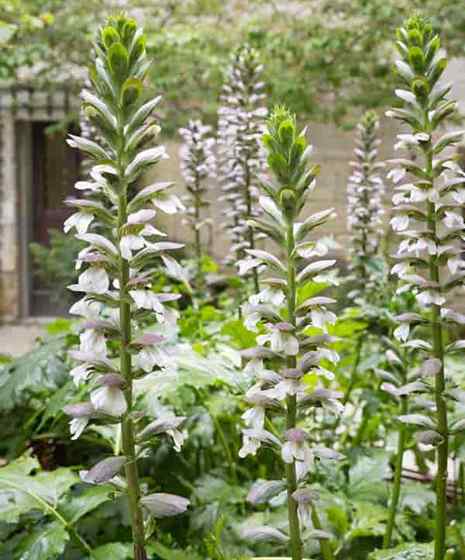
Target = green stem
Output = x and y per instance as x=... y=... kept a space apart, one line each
x=325 y=547
x=397 y=477
x=127 y=428
x=441 y=406
x=291 y=402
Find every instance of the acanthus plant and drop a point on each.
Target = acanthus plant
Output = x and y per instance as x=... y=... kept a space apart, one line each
x=198 y=164
x=365 y=191
x=241 y=125
x=124 y=250
x=286 y=355
x=428 y=208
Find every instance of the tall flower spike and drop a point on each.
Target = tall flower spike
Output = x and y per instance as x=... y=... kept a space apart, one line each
x=365 y=192
x=116 y=220
x=428 y=217
x=241 y=125
x=197 y=165
x=285 y=320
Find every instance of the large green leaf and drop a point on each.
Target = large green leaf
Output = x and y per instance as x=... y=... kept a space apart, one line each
x=41 y=370
x=240 y=336
x=113 y=551
x=88 y=500
x=164 y=553
x=369 y=520
x=22 y=489
x=44 y=543
x=416 y=496
x=405 y=552
x=366 y=478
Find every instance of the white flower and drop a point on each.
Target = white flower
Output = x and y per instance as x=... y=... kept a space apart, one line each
x=396 y=175
x=93 y=280
x=268 y=295
x=146 y=299
x=175 y=270
x=430 y=297
x=454 y=264
x=94 y=342
x=168 y=203
x=400 y=223
x=280 y=341
x=88 y=309
x=246 y=265
x=297 y=450
x=81 y=373
x=142 y=216
x=253 y=439
x=130 y=243
x=80 y=221
x=77 y=426
x=402 y=332
x=149 y=357
x=254 y=417
x=81 y=414
x=109 y=399
x=453 y=221
x=320 y=317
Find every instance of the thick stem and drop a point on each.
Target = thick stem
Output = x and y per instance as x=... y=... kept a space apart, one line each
x=127 y=427
x=291 y=402
x=397 y=477
x=441 y=406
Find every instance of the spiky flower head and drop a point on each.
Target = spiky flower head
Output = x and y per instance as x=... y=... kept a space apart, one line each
x=365 y=191
x=241 y=124
x=198 y=164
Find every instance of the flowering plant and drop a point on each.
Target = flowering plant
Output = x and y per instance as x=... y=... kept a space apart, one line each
x=124 y=249
x=428 y=218
x=365 y=204
x=290 y=353
x=241 y=125
x=197 y=165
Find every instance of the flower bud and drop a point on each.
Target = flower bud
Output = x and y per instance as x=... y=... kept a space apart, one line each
x=287 y=199
x=119 y=61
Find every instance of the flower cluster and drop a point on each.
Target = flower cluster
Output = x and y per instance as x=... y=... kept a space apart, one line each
x=286 y=352
x=198 y=163
x=241 y=125
x=124 y=249
x=365 y=192
x=428 y=200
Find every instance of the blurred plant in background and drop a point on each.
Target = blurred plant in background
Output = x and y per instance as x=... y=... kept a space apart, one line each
x=198 y=164
x=241 y=124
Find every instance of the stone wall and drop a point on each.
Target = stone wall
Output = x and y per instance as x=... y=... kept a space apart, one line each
x=333 y=149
